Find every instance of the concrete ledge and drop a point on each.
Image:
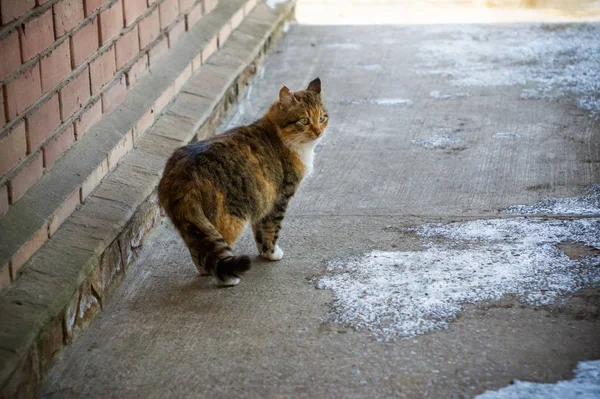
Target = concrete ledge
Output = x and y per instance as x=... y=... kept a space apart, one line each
x=70 y=279
x=46 y=205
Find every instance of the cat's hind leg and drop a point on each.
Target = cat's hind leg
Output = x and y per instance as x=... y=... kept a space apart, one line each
x=198 y=262
x=266 y=232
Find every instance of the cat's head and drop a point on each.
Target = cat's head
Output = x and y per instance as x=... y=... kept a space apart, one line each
x=300 y=116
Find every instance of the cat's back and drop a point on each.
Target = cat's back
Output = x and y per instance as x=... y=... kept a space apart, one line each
x=235 y=151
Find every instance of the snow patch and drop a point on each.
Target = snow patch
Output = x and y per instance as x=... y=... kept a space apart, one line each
x=553 y=60
x=403 y=294
x=507 y=136
x=585 y=205
x=272 y=4
x=371 y=67
x=438 y=141
x=379 y=101
x=585 y=385
x=439 y=96
x=345 y=46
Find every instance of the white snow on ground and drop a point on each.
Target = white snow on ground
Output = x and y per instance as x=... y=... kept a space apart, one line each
x=273 y=3
x=379 y=101
x=507 y=136
x=586 y=205
x=439 y=96
x=402 y=294
x=553 y=60
x=438 y=141
x=585 y=385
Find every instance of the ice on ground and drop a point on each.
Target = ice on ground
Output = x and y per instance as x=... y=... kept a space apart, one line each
x=438 y=141
x=553 y=60
x=439 y=96
x=272 y=4
x=379 y=101
x=507 y=136
x=585 y=205
x=585 y=385
x=402 y=294
x=345 y=46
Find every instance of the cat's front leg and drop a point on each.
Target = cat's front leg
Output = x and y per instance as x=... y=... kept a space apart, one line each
x=266 y=233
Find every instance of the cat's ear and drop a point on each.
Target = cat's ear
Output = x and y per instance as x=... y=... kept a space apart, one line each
x=315 y=86
x=286 y=97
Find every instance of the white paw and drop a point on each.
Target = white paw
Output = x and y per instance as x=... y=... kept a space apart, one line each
x=275 y=255
x=229 y=282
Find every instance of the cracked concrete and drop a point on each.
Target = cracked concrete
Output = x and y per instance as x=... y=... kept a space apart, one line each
x=169 y=332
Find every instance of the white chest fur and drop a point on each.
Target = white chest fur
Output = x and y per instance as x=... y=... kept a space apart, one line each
x=306 y=153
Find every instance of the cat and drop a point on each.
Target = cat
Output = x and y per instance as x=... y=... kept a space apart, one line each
x=212 y=188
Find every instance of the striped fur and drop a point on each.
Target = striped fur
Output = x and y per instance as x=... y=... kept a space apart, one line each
x=212 y=188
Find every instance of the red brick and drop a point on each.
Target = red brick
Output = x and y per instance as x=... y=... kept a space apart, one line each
x=94 y=179
x=149 y=28
x=210 y=5
x=13 y=147
x=62 y=213
x=56 y=147
x=56 y=66
x=3 y=200
x=74 y=95
x=183 y=77
x=4 y=276
x=127 y=47
x=91 y=115
x=84 y=43
x=176 y=32
x=114 y=95
x=133 y=9
x=67 y=15
x=156 y=52
x=23 y=91
x=26 y=177
x=102 y=69
x=111 y=22
x=237 y=19
x=169 y=10
x=209 y=49
x=194 y=15
x=250 y=4
x=2 y=114
x=137 y=70
x=36 y=35
x=143 y=124
x=13 y=9
x=185 y=5
x=93 y=5
x=164 y=99
x=11 y=54
x=34 y=243
x=224 y=34
x=120 y=149
x=42 y=122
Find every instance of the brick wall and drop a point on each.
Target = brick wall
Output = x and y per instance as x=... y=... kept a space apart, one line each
x=66 y=62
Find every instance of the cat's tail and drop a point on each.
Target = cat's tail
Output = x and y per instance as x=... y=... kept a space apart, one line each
x=210 y=252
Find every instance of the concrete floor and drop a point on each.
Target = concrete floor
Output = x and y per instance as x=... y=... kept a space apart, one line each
x=171 y=333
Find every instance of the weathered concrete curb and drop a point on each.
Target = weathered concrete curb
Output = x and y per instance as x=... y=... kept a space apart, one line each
x=68 y=281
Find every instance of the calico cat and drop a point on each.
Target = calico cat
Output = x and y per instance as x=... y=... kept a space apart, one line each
x=212 y=188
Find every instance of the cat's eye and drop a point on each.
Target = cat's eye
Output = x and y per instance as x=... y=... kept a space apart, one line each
x=303 y=121
x=322 y=119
